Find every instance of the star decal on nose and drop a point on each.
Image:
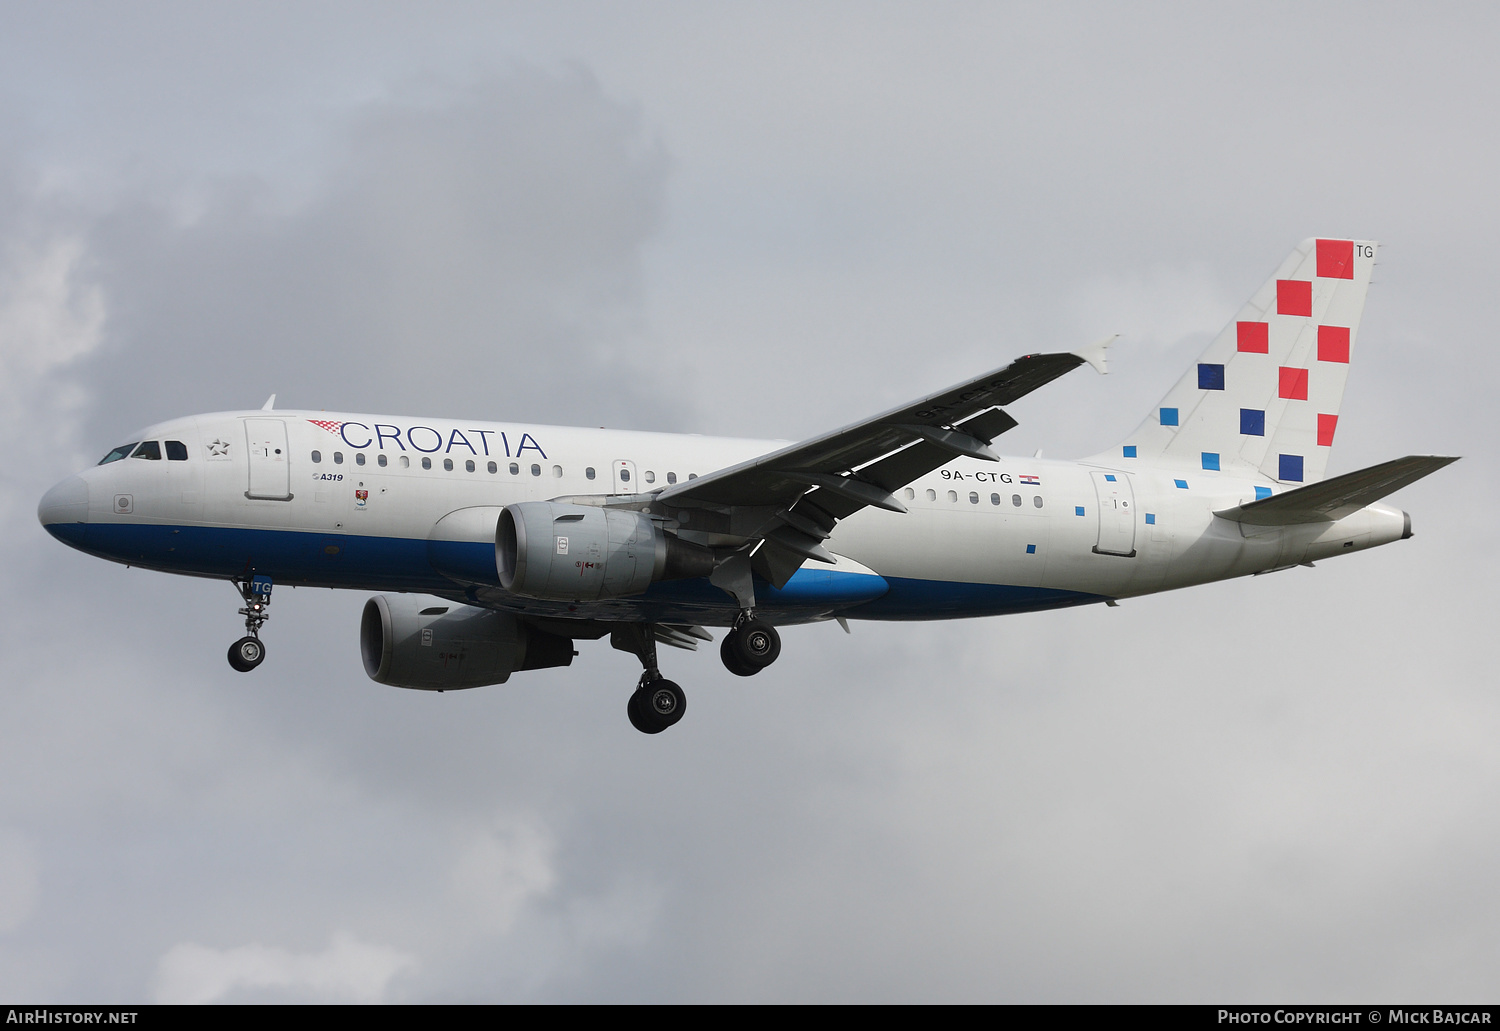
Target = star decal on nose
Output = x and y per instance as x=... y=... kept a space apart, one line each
x=218 y=448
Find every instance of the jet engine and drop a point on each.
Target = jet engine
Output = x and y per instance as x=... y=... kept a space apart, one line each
x=561 y=552
x=433 y=645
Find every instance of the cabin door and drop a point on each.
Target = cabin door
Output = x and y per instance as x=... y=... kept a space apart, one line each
x=270 y=466
x=1116 y=504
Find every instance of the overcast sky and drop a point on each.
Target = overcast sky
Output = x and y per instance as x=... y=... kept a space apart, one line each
x=755 y=220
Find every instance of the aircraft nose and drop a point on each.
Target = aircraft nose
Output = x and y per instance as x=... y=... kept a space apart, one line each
x=64 y=510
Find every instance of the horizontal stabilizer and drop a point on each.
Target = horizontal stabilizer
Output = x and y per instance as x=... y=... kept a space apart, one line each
x=1337 y=497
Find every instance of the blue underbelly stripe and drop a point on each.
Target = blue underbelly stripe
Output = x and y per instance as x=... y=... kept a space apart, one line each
x=314 y=559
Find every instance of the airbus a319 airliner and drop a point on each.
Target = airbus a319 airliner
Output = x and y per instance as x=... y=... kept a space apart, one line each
x=503 y=544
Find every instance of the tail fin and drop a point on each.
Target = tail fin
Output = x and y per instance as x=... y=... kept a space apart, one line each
x=1265 y=396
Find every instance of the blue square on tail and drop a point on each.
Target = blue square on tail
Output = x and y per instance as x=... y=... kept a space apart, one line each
x=1253 y=422
x=1210 y=377
x=1262 y=492
x=1169 y=417
x=1210 y=460
x=1291 y=468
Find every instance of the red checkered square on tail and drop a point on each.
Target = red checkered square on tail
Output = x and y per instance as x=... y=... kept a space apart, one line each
x=1253 y=337
x=1293 y=384
x=330 y=425
x=1293 y=297
x=1336 y=259
x=1333 y=344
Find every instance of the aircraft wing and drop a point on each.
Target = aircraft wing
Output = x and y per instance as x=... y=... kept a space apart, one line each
x=791 y=498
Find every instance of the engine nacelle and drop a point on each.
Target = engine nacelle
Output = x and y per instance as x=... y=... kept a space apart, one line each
x=560 y=552
x=433 y=645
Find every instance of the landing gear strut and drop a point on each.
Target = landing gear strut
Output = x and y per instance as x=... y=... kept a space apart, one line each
x=248 y=652
x=750 y=647
x=657 y=702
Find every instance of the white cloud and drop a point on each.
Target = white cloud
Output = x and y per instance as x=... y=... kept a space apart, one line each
x=349 y=970
x=51 y=314
x=500 y=870
x=48 y=316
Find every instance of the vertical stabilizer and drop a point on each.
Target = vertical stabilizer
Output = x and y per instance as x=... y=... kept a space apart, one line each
x=1265 y=396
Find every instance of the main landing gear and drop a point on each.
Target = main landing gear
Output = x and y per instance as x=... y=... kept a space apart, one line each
x=750 y=647
x=657 y=702
x=248 y=652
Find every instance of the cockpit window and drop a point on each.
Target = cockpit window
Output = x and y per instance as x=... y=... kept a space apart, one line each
x=148 y=449
x=176 y=451
x=118 y=453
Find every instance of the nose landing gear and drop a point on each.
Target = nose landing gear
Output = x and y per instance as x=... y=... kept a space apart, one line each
x=248 y=652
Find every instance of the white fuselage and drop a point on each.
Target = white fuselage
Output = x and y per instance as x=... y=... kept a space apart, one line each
x=357 y=501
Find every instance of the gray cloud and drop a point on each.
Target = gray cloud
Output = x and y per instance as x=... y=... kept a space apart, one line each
x=469 y=250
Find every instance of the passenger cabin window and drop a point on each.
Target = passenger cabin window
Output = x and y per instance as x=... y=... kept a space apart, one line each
x=650 y=475
x=176 y=451
x=448 y=465
x=426 y=463
x=118 y=453
x=1037 y=501
x=994 y=499
x=515 y=470
x=557 y=472
x=953 y=495
x=1015 y=499
x=624 y=474
x=405 y=462
x=492 y=467
x=359 y=458
x=338 y=458
x=931 y=494
x=973 y=498
x=469 y=466
x=536 y=470
x=692 y=476
x=910 y=494
x=380 y=461
x=671 y=477
x=587 y=473
x=317 y=457
x=149 y=449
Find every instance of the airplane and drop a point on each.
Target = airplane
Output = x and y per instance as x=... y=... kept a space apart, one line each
x=499 y=546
